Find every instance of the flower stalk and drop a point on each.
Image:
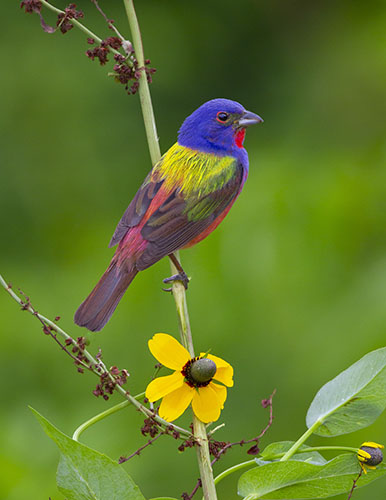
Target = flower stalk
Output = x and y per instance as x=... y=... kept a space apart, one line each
x=303 y=438
x=178 y=289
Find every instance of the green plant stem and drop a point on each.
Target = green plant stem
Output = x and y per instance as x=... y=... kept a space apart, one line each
x=294 y=448
x=144 y=92
x=101 y=416
x=320 y=448
x=93 y=362
x=179 y=296
x=233 y=469
x=79 y=25
x=242 y=465
x=199 y=429
x=203 y=457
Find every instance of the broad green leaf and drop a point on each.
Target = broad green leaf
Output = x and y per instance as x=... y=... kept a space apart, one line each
x=300 y=480
x=86 y=474
x=163 y=498
x=274 y=451
x=353 y=399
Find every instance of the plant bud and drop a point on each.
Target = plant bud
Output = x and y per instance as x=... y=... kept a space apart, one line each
x=375 y=457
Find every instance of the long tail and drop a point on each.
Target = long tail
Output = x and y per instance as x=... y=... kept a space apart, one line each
x=97 y=309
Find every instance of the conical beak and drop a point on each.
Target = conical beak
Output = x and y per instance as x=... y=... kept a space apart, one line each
x=248 y=118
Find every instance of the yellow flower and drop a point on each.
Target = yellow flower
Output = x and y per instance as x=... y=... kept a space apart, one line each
x=370 y=455
x=191 y=382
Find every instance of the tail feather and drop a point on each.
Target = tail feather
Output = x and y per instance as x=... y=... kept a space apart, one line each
x=97 y=309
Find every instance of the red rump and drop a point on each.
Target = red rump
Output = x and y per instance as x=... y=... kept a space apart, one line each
x=239 y=137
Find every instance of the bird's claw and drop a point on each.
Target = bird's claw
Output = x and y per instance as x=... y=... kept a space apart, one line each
x=177 y=277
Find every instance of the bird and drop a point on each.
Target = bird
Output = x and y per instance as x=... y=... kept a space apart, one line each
x=182 y=200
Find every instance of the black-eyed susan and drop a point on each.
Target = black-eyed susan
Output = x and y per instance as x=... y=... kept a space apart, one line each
x=191 y=382
x=370 y=455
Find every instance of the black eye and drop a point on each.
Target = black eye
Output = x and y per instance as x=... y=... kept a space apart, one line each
x=222 y=116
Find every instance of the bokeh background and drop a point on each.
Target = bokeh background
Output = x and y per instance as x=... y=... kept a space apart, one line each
x=291 y=289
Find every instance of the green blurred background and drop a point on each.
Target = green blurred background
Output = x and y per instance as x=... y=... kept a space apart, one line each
x=290 y=289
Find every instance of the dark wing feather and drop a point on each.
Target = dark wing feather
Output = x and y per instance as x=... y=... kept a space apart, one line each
x=137 y=208
x=179 y=220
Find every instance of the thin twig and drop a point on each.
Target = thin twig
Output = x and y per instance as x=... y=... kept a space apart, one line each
x=267 y=402
x=109 y=22
x=137 y=452
x=185 y=496
x=354 y=484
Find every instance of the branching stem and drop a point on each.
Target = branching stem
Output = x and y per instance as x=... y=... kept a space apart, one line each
x=79 y=25
x=94 y=364
x=102 y=415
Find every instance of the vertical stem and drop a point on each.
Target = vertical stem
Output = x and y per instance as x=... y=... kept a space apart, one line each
x=204 y=462
x=179 y=296
x=144 y=92
x=199 y=429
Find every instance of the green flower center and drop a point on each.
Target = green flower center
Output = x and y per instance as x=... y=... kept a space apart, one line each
x=199 y=372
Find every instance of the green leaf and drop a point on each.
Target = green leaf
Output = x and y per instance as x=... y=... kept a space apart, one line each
x=301 y=480
x=274 y=451
x=86 y=474
x=353 y=399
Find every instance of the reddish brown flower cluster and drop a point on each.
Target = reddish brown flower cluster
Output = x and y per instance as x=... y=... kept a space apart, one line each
x=189 y=443
x=31 y=6
x=107 y=385
x=216 y=447
x=126 y=69
x=119 y=375
x=78 y=352
x=150 y=427
x=63 y=21
x=101 y=51
x=125 y=73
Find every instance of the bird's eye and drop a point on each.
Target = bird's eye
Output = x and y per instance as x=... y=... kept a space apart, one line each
x=222 y=116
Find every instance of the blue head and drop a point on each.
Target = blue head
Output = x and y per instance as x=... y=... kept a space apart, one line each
x=218 y=126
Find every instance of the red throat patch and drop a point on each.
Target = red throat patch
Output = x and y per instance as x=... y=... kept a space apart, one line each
x=239 y=137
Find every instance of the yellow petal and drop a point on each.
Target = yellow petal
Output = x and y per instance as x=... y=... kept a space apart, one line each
x=220 y=363
x=161 y=386
x=371 y=444
x=208 y=402
x=224 y=373
x=168 y=351
x=221 y=392
x=174 y=404
x=225 y=376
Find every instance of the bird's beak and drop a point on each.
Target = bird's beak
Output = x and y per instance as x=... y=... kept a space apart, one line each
x=248 y=118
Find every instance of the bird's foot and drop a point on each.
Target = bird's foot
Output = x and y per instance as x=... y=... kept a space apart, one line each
x=177 y=277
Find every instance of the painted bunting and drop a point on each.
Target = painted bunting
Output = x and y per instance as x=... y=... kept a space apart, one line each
x=182 y=200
